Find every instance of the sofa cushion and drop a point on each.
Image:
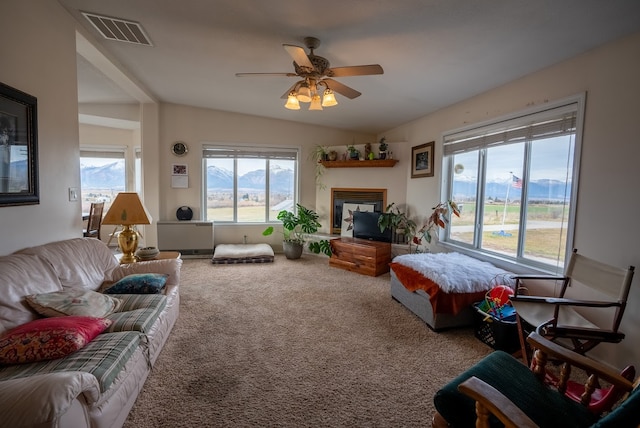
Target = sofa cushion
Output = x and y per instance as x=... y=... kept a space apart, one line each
x=74 y=302
x=140 y=301
x=139 y=283
x=23 y=274
x=79 y=263
x=49 y=338
x=104 y=358
x=139 y=312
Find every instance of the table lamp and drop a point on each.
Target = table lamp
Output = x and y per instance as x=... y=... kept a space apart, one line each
x=127 y=210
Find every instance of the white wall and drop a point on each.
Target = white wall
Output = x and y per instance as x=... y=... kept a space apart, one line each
x=198 y=126
x=607 y=225
x=39 y=57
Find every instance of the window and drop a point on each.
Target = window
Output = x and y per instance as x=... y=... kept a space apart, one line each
x=102 y=176
x=515 y=182
x=249 y=184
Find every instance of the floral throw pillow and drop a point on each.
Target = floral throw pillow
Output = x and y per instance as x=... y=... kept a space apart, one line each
x=74 y=302
x=139 y=283
x=49 y=338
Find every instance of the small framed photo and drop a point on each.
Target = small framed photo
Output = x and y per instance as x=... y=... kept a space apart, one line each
x=422 y=160
x=179 y=169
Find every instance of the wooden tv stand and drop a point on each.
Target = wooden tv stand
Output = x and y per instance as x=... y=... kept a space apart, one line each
x=360 y=255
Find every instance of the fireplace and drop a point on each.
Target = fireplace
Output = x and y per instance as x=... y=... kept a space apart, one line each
x=340 y=196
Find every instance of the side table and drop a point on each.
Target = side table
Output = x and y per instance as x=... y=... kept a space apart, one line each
x=162 y=255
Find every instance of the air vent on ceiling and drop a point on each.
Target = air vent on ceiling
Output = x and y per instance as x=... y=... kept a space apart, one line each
x=119 y=29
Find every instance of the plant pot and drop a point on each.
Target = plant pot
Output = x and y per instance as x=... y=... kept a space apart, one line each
x=382 y=155
x=292 y=250
x=333 y=155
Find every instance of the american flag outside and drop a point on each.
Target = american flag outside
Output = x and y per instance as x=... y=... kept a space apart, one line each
x=517 y=182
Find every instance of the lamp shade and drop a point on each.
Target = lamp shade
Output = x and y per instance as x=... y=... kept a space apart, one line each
x=292 y=102
x=304 y=93
x=329 y=98
x=315 y=103
x=127 y=209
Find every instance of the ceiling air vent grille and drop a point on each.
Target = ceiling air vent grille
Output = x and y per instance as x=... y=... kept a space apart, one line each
x=119 y=29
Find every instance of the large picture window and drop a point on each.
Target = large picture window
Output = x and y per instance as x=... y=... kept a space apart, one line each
x=515 y=181
x=249 y=184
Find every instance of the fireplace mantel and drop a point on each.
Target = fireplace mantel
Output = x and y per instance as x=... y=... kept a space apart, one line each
x=376 y=163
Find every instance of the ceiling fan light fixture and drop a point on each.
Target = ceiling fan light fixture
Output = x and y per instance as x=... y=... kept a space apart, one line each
x=315 y=103
x=329 y=98
x=292 y=102
x=304 y=93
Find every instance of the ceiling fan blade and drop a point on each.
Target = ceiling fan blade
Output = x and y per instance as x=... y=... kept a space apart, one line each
x=266 y=74
x=299 y=56
x=286 y=94
x=355 y=70
x=342 y=89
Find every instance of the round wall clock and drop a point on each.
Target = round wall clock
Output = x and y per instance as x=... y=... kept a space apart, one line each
x=179 y=148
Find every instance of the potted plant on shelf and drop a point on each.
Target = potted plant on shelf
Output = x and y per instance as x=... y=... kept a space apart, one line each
x=296 y=229
x=354 y=154
x=319 y=154
x=382 y=148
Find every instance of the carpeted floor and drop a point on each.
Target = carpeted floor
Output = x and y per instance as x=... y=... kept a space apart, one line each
x=297 y=344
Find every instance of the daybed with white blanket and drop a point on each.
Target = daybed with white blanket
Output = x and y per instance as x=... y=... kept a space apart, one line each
x=440 y=288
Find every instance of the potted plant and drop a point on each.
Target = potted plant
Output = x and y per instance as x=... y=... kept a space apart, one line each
x=296 y=229
x=437 y=219
x=398 y=221
x=319 y=154
x=382 y=148
x=354 y=154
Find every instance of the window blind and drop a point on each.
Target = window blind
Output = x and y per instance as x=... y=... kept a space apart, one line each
x=550 y=123
x=249 y=152
x=101 y=153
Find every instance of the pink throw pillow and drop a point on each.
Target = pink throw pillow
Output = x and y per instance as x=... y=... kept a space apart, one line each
x=49 y=338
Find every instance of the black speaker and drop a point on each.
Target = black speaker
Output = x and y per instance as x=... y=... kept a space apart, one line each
x=184 y=213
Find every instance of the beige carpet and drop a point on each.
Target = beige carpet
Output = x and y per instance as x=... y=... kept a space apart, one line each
x=297 y=344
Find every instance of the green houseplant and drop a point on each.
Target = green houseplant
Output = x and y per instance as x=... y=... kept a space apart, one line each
x=382 y=148
x=319 y=154
x=398 y=221
x=437 y=219
x=296 y=228
x=353 y=152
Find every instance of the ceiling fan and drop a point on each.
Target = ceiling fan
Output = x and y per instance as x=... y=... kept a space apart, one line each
x=315 y=72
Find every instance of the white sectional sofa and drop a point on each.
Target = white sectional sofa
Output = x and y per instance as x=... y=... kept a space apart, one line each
x=97 y=385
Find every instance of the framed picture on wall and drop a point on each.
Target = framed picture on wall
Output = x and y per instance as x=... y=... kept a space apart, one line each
x=18 y=148
x=347 y=216
x=422 y=160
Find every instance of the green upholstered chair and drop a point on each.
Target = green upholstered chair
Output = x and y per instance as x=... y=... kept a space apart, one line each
x=512 y=394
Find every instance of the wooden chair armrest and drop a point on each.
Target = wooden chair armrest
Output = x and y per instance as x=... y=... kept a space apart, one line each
x=535 y=276
x=563 y=301
x=573 y=358
x=496 y=403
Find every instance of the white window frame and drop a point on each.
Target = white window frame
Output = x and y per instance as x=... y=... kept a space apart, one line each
x=248 y=151
x=510 y=121
x=110 y=152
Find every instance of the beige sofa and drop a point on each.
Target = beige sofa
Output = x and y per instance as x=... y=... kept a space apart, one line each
x=57 y=393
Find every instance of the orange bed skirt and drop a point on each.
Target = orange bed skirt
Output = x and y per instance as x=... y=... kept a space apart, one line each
x=441 y=302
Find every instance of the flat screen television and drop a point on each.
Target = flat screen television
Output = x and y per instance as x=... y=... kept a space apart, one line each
x=365 y=226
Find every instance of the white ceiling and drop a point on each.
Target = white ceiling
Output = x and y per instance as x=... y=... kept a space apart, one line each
x=434 y=52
